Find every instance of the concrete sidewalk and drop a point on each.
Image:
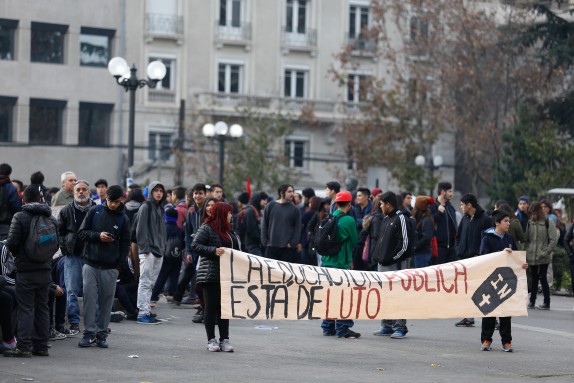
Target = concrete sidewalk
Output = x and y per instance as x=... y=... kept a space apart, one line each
x=296 y=351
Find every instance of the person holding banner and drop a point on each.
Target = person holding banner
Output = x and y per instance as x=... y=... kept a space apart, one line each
x=347 y=234
x=497 y=239
x=209 y=243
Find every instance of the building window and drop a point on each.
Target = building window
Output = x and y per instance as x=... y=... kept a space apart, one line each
x=356 y=88
x=47 y=45
x=95 y=46
x=229 y=78
x=419 y=30
x=94 y=128
x=295 y=83
x=7 y=31
x=358 y=21
x=230 y=13
x=46 y=118
x=6 y=118
x=168 y=82
x=296 y=16
x=297 y=153
x=159 y=146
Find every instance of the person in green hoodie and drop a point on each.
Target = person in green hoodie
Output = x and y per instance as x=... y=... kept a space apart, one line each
x=346 y=232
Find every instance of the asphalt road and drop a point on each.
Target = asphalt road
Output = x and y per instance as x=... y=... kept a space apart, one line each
x=291 y=351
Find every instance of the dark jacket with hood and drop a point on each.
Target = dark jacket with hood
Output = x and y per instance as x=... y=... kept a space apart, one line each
x=150 y=231
x=192 y=223
x=469 y=235
x=205 y=242
x=13 y=203
x=445 y=224
x=252 y=222
x=106 y=255
x=69 y=222
x=493 y=242
x=18 y=234
x=393 y=240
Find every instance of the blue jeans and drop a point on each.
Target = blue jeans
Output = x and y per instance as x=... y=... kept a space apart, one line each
x=73 y=278
x=421 y=260
x=255 y=250
x=394 y=324
x=340 y=326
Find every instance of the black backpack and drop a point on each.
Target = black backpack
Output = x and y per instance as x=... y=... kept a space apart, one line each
x=42 y=242
x=4 y=207
x=326 y=242
x=174 y=247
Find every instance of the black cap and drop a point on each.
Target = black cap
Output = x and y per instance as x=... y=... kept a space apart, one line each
x=243 y=198
x=100 y=182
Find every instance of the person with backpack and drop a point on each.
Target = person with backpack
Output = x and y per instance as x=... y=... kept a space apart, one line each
x=343 y=231
x=151 y=238
x=394 y=246
x=33 y=241
x=106 y=233
x=10 y=202
x=172 y=258
x=540 y=239
x=425 y=230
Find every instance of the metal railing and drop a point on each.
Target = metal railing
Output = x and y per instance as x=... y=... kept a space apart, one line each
x=303 y=40
x=159 y=95
x=364 y=44
x=233 y=33
x=164 y=25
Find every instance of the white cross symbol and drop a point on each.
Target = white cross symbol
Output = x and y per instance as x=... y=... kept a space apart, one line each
x=485 y=300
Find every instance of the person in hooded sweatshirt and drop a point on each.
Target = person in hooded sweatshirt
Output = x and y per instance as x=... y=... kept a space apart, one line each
x=151 y=237
x=33 y=279
x=252 y=223
x=497 y=239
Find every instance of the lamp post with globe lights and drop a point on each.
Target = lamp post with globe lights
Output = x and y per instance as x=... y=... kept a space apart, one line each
x=127 y=78
x=219 y=132
x=434 y=163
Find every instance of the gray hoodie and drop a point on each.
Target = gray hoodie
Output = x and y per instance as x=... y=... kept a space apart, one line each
x=150 y=231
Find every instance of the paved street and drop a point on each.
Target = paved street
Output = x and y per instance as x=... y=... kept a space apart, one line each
x=289 y=351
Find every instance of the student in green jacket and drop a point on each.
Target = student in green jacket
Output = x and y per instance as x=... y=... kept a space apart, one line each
x=346 y=232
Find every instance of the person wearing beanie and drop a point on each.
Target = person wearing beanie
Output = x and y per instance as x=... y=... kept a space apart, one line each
x=151 y=239
x=375 y=192
x=522 y=212
x=172 y=258
x=424 y=231
x=106 y=234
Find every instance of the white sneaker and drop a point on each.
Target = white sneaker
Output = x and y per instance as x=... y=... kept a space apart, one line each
x=213 y=345
x=225 y=346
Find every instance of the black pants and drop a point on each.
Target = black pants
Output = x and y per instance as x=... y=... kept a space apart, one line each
x=212 y=311
x=57 y=306
x=538 y=273
x=169 y=273
x=488 y=325
x=127 y=294
x=285 y=254
x=33 y=314
x=186 y=277
x=6 y=306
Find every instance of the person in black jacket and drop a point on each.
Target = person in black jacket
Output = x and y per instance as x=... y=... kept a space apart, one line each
x=252 y=221
x=33 y=280
x=425 y=230
x=209 y=243
x=11 y=201
x=568 y=244
x=106 y=232
x=444 y=216
x=497 y=239
x=469 y=235
x=69 y=222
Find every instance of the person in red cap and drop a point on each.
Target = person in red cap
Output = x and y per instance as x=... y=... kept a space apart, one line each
x=346 y=232
x=375 y=192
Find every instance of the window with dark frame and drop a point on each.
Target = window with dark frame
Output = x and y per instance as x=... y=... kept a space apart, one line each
x=159 y=145
x=296 y=152
x=230 y=13
x=94 y=124
x=295 y=85
x=296 y=16
x=358 y=20
x=47 y=43
x=356 y=84
x=46 y=118
x=7 y=105
x=229 y=78
x=95 y=46
x=7 y=33
x=167 y=82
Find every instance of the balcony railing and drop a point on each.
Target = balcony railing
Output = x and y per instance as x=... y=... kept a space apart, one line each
x=161 y=95
x=308 y=39
x=241 y=33
x=362 y=44
x=170 y=26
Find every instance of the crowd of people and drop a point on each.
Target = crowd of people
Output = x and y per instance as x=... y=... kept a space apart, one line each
x=136 y=246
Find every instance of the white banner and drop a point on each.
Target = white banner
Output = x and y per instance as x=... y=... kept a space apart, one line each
x=254 y=287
